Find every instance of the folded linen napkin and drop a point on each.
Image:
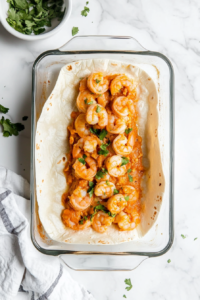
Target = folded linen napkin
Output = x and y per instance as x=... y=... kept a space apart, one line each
x=22 y=267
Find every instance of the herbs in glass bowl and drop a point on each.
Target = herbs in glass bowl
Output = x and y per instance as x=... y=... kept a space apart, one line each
x=34 y=16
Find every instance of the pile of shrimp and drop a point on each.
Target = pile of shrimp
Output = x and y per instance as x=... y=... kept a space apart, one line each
x=104 y=167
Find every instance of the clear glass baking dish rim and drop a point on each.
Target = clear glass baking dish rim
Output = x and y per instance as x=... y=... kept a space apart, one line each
x=137 y=49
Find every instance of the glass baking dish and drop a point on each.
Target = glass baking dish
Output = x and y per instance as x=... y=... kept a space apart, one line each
x=45 y=72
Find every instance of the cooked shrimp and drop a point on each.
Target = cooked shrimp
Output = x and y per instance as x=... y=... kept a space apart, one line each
x=104 y=189
x=97 y=83
x=123 y=106
x=101 y=221
x=113 y=165
x=122 y=84
x=84 y=100
x=96 y=114
x=116 y=203
x=83 y=85
x=82 y=171
x=122 y=145
x=77 y=148
x=71 y=219
x=90 y=144
x=80 y=199
x=115 y=125
x=81 y=125
x=124 y=222
x=103 y=99
x=130 y=191
x=105 y=176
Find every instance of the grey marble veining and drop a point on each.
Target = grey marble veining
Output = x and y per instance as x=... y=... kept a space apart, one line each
x=171 y=27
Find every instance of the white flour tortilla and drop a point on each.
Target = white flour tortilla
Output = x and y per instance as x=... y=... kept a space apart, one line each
x=51 y=147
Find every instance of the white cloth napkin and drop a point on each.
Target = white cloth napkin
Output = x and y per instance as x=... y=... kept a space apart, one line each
x=22 y=267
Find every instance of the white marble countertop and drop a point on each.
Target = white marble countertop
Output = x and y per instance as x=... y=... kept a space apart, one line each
x=171 y=27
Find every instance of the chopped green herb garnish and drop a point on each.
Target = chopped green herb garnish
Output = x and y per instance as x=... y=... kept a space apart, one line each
x=3 y=109
x=124 y=296
x=82 y=161
x=130 y=178
x=129 y=171
x=100 y=133
x=24 y=118
x=195 y=239
x=75 y=30
x=98 y=109
x=30 y=17
x=128 y=282
x=10 y=128
x=169 y=260
x=91 y=184
x=102 y=208
x=104 y=150
x=85 y=100
x=83 y=219
x=107 y=182
x=85 y=11
x=87 y=2
x=116 y=192
x=125 y=161
x=183 y=236
x=101 y=173
x=126 y=198
x=90 y=191
x=97 y=81
x=128 y=130
x=84 y=156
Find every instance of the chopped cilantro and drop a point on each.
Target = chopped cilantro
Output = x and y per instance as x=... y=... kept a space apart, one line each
x=100 y=133
x=82 y=160
x=85 y=11
x=97 y=81
x=169 y=260
x=183 y=236
x=85 y=100
x=195 y=239
x=102 y=208
x=125 y=161
x=75 y=30
x=98 y=109
x=107 y=182
x=128 y=130
x=103 y=134
x=30 y=17
x=24 y=118
x=3 y=109
x=83 y=219
x=124 y=296
x=116 y=192
x=84 y=156
x=91 y=184
x=87 y=2
x=101 y=173
x=10 y=128
x=90 y=191
x=128 y=282
x=103 y=150
x=126 y=198
x=130 y=178
x=129 y=171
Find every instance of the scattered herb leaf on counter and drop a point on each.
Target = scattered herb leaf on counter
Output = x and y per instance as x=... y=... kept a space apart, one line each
x=3 y=109
x=169 y=260
x=75 y=30
x=195 y=239
x=128 y=282
x=183 y=236
x=32 y=17
x=85 y=11
x=10 y=128
x=124 y=296
x=24 y=118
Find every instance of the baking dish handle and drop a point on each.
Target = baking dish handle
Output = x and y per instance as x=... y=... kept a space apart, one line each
x=102 y=43
x=102 y=262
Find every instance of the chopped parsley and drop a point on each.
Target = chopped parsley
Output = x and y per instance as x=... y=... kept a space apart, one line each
x=98 y=132
x=195 y=239
x=169 y=260
x=116 y=192
x=97 y=81
x=98 y=109
x=75 y=30
x=85 y=11
x=126 y=198
x=130 y=178
x=101 y=173
x=82 y=160
x=30 y=17
x=83 y=219
x=128 y=282
x=128 y=130
x=90 y=191
x=10 y=128
x=3 y=109
x=125 y=161
x=183 y=236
